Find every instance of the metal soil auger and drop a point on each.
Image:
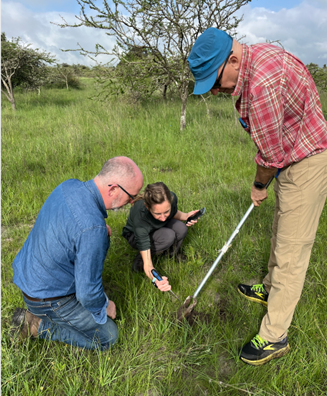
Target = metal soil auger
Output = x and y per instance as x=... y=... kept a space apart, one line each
x=186 y=309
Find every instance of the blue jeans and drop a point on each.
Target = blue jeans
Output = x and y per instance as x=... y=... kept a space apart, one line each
x=66 y=320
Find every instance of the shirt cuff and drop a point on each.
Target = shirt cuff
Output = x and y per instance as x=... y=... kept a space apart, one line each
x=270 y=165
x=101 y=316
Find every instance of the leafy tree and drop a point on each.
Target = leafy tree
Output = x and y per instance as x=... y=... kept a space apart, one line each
x=21 y=66
x=64 y=75
x=80 y=70
x=135 y=76
x=163 y=30
x=319 y=75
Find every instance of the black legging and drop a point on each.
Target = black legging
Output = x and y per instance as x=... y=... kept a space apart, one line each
x=171 y=235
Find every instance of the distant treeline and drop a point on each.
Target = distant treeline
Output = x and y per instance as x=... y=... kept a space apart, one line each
x=136 y=76
x=319 y=75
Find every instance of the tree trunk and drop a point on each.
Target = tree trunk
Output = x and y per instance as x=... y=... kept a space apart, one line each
x=184 y=96
x=10 y=91
x=164 y=92
x=183 y=113
x=67 y=82
x=11 y=99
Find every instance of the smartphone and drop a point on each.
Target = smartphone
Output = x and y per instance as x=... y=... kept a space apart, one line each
x=196 y=215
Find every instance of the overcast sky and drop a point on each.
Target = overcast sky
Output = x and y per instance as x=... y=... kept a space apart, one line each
x=301 y=27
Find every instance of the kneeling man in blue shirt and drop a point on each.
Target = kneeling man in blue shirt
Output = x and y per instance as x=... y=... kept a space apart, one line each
x=59 y=268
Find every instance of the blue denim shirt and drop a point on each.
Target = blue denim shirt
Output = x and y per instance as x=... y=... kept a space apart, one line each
x=65 y=251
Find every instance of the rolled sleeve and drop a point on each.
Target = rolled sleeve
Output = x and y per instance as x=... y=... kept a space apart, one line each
x=92 y=247
x=101 y=316
x=266 y=117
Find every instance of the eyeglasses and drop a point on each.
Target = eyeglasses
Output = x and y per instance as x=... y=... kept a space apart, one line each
x=217 y=82
x=132 y=197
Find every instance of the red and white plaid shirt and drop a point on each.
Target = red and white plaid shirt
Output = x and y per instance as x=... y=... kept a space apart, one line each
x=280 y=104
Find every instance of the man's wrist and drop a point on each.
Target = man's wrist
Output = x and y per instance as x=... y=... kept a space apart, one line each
x=259 y=185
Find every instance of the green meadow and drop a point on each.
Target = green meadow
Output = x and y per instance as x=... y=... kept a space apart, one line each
x=64 y=134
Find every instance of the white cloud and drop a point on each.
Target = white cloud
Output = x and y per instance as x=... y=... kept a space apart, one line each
x=35 y=28
x=302 y=30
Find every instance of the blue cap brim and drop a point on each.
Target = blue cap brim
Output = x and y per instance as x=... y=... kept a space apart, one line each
x=203 y=86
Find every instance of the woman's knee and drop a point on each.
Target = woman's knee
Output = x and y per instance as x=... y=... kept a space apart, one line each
x=170 y=237
x=180 y=230
x=163 y=238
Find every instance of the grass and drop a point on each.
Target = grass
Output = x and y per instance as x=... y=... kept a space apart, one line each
x=62 y=134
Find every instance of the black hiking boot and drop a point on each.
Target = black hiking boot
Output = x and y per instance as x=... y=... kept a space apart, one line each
x=255 y=293
x=259 y=351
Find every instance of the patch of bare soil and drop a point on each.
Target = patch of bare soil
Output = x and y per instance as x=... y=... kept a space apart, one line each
x=197 y=316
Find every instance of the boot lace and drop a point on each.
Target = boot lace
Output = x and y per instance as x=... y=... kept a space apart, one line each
x=258 y=342
x=259 y=288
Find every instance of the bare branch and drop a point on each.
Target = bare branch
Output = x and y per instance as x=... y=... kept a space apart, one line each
x=164 y=29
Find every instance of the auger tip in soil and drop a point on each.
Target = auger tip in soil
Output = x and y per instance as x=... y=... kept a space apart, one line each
x=185 y=311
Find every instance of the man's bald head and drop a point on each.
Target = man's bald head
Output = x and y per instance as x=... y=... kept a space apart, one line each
x=118 y=167
x=118 y=171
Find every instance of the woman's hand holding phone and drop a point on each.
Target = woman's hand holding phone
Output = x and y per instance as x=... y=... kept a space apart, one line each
x=194 y=216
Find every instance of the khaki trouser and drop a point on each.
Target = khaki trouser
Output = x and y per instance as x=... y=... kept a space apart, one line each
x=301 y=191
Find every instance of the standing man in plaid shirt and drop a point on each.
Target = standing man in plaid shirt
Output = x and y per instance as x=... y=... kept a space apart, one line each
x=279 y=103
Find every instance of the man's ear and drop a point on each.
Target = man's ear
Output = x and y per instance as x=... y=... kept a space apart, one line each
x=235 y=62
x=112 y=190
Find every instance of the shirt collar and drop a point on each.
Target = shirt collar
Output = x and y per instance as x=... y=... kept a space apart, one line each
x=244 y=69
x=91 y=186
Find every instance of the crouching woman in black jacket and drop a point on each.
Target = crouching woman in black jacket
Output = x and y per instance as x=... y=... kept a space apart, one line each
x=155 y=225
